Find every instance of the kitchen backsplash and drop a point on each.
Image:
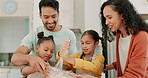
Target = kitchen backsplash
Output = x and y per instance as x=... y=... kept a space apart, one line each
x=5 y=59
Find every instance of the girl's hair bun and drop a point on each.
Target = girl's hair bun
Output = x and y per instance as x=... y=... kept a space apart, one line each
x=40 y=35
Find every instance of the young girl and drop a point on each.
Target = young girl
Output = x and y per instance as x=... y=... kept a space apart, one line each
x=45 y=49
x=88 y=61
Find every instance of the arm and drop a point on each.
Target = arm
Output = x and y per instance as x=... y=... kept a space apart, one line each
x=138 y=60
x=64 y=53
x=109 y=67
x=64 y=62
x=21 y=57
x=26 y=70
x=17 y=59
x=96 y=66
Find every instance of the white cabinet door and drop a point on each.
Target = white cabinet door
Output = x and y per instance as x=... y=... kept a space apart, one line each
x=15 y=73
x=4 y=75
x=12 y=32
x=4 y=72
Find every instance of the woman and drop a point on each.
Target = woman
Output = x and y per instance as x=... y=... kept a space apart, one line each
x=120 y=17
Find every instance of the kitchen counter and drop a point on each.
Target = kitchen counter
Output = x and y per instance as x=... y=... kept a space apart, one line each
x=10 y=72
x=9 y=67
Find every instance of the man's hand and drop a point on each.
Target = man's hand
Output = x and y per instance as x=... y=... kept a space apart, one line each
x=39 y=64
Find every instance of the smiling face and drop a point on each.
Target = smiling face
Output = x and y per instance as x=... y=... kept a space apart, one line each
x=88 y=45
x=113 y=19
x=49 y=18
x=45 y=49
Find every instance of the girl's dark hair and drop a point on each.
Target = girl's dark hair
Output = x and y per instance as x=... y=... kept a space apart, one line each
x=94 y=35
x=132 y=19
x=43 y=38
x=49 y=3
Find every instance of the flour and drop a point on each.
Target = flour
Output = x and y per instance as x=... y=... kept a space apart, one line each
x=57 y=73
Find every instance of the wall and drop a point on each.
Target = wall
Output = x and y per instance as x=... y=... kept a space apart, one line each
x=79 y=14
x=86 y=15
x=66 y=8
x=35 y=16
x=92 y=12
x=22 y=9
x=140 y=6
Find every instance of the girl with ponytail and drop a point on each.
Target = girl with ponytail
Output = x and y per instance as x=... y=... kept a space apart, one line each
x=87 y=62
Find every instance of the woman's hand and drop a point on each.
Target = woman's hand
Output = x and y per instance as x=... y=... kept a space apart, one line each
x=109 y=67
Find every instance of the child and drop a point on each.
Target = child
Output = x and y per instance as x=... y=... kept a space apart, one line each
x=45 y=49
x=88 y=61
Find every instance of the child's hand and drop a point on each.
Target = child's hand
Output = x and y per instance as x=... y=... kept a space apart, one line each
x=64 y=50
x=66 y=44
x=64 y=53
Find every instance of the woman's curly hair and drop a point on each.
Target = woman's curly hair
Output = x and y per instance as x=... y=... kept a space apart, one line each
x=132 y=19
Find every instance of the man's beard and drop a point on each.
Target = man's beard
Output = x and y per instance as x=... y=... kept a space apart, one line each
x=49 y=28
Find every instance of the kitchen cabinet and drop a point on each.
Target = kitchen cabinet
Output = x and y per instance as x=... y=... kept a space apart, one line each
x=4 y=72
x=15 y=73
x=3 y=75
x=14 y=26
x=10 y=72
x=12 y=31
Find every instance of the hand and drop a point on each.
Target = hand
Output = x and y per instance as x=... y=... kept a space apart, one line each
x=39 y=64
x=64 y=49
x=65 y=45
x=64 y=53
x=46 y=71
x=85 y=76
x=109 y=67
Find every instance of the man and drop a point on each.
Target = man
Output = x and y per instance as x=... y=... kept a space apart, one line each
x=49 y=13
